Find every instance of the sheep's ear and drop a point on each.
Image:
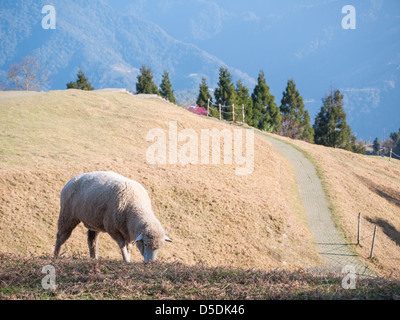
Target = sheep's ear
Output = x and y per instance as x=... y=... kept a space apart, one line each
x=166 y=238
x=140 y=237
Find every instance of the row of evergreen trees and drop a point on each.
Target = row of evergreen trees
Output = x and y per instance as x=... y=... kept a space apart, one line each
x=146 y=85
x=290 y=119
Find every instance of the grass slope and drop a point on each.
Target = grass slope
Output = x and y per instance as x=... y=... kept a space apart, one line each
x=85 y=279
x=215 y=217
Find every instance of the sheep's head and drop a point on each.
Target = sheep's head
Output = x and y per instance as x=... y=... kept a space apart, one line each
x=149 y=244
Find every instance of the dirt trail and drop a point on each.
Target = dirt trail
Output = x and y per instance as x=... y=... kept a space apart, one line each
x=331 y=245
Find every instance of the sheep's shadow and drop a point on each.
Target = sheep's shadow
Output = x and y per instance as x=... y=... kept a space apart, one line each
x=387 y=228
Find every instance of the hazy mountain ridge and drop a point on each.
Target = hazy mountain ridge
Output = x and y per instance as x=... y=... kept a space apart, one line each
x=111 y=40
x=109 y=47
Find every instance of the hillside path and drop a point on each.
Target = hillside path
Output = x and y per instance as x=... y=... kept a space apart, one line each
x=336 y=253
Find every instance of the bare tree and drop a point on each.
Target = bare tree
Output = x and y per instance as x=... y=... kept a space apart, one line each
x=27 y=75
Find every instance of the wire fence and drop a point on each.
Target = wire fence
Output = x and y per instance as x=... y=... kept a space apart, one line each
x=384 y=251
x=229 y=111
x=394 y=154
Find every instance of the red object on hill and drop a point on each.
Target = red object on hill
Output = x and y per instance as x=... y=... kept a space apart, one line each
x=198 y=110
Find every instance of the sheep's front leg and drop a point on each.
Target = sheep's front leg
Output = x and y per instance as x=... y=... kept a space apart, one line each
x=122 y=245
x=128 y=249
x=125 y=254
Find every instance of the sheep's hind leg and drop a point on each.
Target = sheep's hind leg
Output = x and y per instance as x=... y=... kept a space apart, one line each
x=92 y=239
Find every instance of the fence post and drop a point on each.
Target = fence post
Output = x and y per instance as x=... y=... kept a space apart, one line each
x=373 y=243
x=243 y=112
x=220 y=112
x=359 y=229
x=233 y=113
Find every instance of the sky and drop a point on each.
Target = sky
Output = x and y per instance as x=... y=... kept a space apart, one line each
x=303 y=40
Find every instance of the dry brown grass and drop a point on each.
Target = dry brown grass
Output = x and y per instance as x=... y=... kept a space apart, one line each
x=368 y=185
x=86 y=279
x=214 y=216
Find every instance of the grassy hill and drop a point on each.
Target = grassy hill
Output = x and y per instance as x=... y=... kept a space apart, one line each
x=85 y=279
x=214 y=216
x=230 y=232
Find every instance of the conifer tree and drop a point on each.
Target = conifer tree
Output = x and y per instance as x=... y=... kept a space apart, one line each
x=204 y=94
x=145 y=82
x=295 y=119
x=330 y=126
x=355 y=146
x=166 y=88
x=266 y=114
x=376 y=146
x=225 y=93
x=308 y=130
x=394 y=142
x=243 y=98
x=82 y=83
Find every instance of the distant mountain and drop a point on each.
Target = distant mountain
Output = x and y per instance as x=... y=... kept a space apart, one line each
x=109 y=46
x=112 y=39
x=303 y=40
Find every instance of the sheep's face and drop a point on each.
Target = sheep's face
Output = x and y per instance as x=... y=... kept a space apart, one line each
x=149 y=245
x=149 y=248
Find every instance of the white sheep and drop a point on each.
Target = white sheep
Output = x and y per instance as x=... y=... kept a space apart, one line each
x=105 y=201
